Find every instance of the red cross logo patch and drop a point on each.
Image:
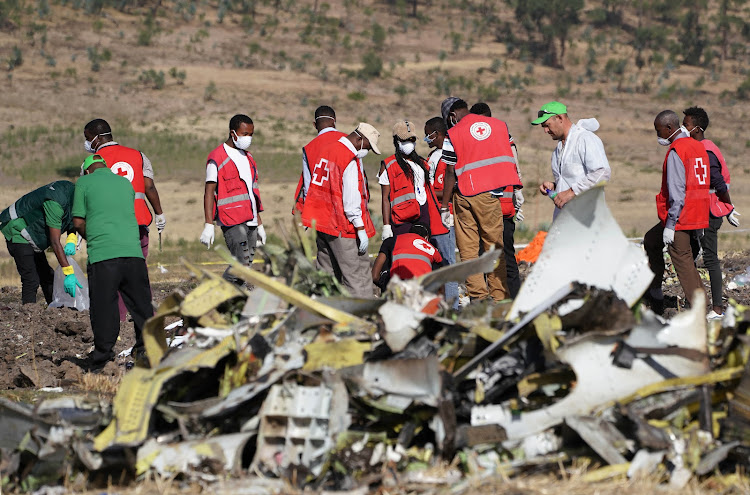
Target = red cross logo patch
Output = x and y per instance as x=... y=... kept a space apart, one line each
x=123 y=169
x=480 y=130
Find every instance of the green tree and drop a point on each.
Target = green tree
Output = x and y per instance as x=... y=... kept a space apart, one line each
x=726 y=20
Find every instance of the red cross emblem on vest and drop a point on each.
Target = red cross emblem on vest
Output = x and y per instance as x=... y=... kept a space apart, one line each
x=480 y=130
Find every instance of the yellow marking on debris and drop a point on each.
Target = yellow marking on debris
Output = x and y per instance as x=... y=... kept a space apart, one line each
x=671 y=384
x=336 y=355
x=142 y=465
x=292 y=296
x=487 y=333
x=546 y=327
x=605 y=473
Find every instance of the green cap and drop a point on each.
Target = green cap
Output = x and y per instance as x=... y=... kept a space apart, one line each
x=91 y=159
x=548 y=110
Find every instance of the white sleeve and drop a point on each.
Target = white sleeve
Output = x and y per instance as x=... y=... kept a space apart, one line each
x=148 y=169
x=305 y=175
x=383 y=178
x=212 y=172
x=595 y=162
x=351 y=196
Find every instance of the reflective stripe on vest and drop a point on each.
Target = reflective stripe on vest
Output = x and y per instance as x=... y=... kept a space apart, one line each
x=233 y=199
x=224 y=163
x=484 y=163
x=407 y=256
x=12 y=211
x=402 y=198
x=25 y=234
x=139 y=195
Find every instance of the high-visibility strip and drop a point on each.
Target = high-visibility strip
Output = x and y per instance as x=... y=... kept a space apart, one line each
x=484 y=163
x=25 y=234
x=388 y=165
x=12 y=211
x=140 y=195
x=233 y=199
x=407 y=256
x=227 y=160
x=402 y=198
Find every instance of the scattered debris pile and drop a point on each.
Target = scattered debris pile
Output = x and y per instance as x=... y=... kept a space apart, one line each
x=335 y=393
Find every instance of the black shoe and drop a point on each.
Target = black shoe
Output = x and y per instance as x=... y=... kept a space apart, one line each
x=656 y=305
x=140 y=357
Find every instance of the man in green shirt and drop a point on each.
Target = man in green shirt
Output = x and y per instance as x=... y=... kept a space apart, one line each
x=103 y=213
x=31 y=225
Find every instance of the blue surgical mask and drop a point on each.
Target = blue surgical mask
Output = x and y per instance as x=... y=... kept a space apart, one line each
x=427 y=138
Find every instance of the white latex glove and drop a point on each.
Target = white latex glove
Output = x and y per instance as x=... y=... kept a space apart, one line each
x=261 y=239
x=519 y=215
x=161 y=222
x=363 y=241
x=447 y=219
x=732 y=218
x=518 y=199
x=387 y=232
x=207 y=237
x=668 y=236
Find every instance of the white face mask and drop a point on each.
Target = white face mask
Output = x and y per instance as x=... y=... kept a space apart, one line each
x=406 y=147
x=362 y=153
x=242 y=142
x=87 y=146
x=666 y=141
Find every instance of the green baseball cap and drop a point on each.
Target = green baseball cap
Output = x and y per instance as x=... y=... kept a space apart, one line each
x=548 y=110
x=91 y=159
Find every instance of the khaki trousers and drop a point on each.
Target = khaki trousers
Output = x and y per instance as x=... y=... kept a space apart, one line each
x=681 y=253
x=479 y=219
x=339 y=256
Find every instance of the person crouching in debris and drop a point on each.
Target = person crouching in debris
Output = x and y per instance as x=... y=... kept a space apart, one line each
x=232 y=196
x=408 y=197
x=682 y=205
x=336 y=207
x=31 y=225
x=407 y=255
x=104 y=214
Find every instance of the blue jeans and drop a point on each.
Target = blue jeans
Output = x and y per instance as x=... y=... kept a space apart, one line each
x=446 y=245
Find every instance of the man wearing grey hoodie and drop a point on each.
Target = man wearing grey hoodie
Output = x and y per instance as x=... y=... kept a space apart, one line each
x=578 y=161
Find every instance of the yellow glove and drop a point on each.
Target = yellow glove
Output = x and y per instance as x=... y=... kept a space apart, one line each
x=70 y=245
x=68 y=270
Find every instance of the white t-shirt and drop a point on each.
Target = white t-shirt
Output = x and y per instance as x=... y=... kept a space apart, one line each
x=246 y=174
x=419 y=188
x=432 y=161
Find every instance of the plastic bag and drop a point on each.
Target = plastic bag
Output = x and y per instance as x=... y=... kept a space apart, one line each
x=60 y=298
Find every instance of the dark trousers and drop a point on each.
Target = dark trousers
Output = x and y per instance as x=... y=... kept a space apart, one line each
x=129 y=276
x=710 y=243
x=143 y=232
x=511 y=265
x=681 y=253
x=34 y=271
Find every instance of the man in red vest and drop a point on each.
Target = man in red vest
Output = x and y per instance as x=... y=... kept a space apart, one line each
x=325 y=124
x=336 y=207
x=232 y=196
x=696 y=123
x=407 y=255
x=682 y=205
x=479 y=160
x=134 y=166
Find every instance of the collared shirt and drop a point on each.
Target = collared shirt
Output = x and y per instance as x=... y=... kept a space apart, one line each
x=306 y=167
x=350 y=187
x=148 y=169
x=239 y=158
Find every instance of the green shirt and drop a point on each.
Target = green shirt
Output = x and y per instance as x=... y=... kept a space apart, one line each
x=105 y=201
x=53 y=214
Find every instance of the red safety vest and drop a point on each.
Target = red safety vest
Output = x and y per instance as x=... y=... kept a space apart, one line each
x=233 y=204
x=324 y=205
x=485 y=158
x=128 y=163
x=694 y=213
x=718 y=208
x=439 y=180
x=404 y=204
x=413 y=256
x=506 y=202
x=312 y=154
